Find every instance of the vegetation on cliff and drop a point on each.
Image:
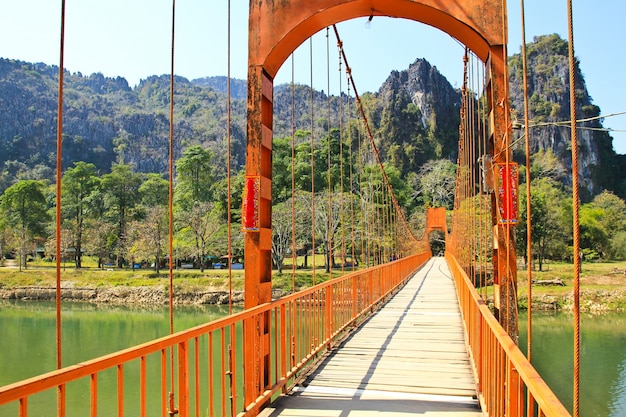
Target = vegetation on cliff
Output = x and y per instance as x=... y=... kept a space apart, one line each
x=116 y=144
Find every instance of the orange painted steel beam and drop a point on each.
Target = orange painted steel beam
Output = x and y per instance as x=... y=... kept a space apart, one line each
x=278 y=28
x=436 y=220
x=503 y=370
x=504 y=259
x=142 y=389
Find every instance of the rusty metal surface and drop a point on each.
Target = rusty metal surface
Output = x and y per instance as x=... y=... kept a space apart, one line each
x=278 y=27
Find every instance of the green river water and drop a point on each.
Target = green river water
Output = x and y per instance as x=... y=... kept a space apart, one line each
x=27 y=346
x=602 y=359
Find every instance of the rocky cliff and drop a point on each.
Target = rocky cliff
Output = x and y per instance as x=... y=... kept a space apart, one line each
x=549 y=104
x=414 y=116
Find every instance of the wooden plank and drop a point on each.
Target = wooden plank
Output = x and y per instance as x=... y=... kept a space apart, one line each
x=409 y=358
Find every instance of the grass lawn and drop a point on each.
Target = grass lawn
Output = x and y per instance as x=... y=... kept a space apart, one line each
x=43 y=274
x=602 y=284
x=606 y=275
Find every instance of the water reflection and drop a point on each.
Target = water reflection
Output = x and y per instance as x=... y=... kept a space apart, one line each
x=602 y=359
x=28 y=332
x=27 y=344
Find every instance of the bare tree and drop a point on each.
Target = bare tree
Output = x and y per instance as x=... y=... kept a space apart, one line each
x=282 y=234
x=327 y=224
x=204 y=222
x=151 y=235
x=435 y=183
x=98 y=237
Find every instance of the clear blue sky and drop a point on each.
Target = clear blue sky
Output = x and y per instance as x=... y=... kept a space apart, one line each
x=131 y=38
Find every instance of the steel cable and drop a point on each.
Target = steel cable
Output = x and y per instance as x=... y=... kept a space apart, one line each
x=575 y=207
x=59 y=171
x=172 y=408
x=529 y=246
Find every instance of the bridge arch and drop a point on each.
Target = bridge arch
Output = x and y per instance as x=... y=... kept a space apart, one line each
x=276 y=29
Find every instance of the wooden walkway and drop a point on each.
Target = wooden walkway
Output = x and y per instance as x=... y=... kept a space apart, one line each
x=408 y=359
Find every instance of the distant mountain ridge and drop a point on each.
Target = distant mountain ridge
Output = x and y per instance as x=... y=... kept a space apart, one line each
x=238 y=88
x=414 y=116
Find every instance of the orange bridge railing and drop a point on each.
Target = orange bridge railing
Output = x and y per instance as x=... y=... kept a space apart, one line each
x=507 y=383
x=207 y=360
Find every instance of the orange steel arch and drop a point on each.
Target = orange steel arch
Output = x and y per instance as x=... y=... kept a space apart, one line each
x=276 y=29
x=436 y=220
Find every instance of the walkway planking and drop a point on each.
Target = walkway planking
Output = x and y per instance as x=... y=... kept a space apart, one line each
x=408 y=359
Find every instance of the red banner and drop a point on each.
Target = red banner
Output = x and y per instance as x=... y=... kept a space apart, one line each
x=251 y=198
x=507 y=191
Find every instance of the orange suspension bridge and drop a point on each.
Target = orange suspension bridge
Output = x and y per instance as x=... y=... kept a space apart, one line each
x=402 y=332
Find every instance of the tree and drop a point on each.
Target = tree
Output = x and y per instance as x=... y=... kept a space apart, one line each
x=204 y=223
x=545 y=164
x=435 y=183
x=281 y=169
x=67 y=243
x=154 y=191
x=77 y=185
x=195 y=177
x=99 y=238
x=593 y=236
x=302 y=167
x=327 y=224
x=548 y=215
x=100 y=231
x=618 y=245
x=24 y=206
x=282 y=236
x=613 y=221
x=121 y=195
x=151 y=236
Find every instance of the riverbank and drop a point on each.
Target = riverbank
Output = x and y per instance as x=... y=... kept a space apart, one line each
x=594 y=301
x=142 y=295
x=603 y=286
x=140 y=287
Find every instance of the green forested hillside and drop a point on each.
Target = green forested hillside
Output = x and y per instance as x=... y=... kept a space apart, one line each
x=414 y=117
x=116 y=141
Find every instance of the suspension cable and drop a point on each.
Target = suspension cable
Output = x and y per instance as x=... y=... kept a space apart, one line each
x=351 y=192
x=59 y=173
x=481 y=192
x=341 y=184
x=511 y=284
x=172 y=408
x=312 y=165
x=330 y=224
x=486 y=226
x=363 y=222
x=461 y=183
x=228 y=171
x=472 y=172
x=371 y=136
x=294 y=257
x=529 y=246
x=575 y=207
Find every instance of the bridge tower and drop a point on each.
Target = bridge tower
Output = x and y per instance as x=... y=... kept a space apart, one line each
x=276 y=29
